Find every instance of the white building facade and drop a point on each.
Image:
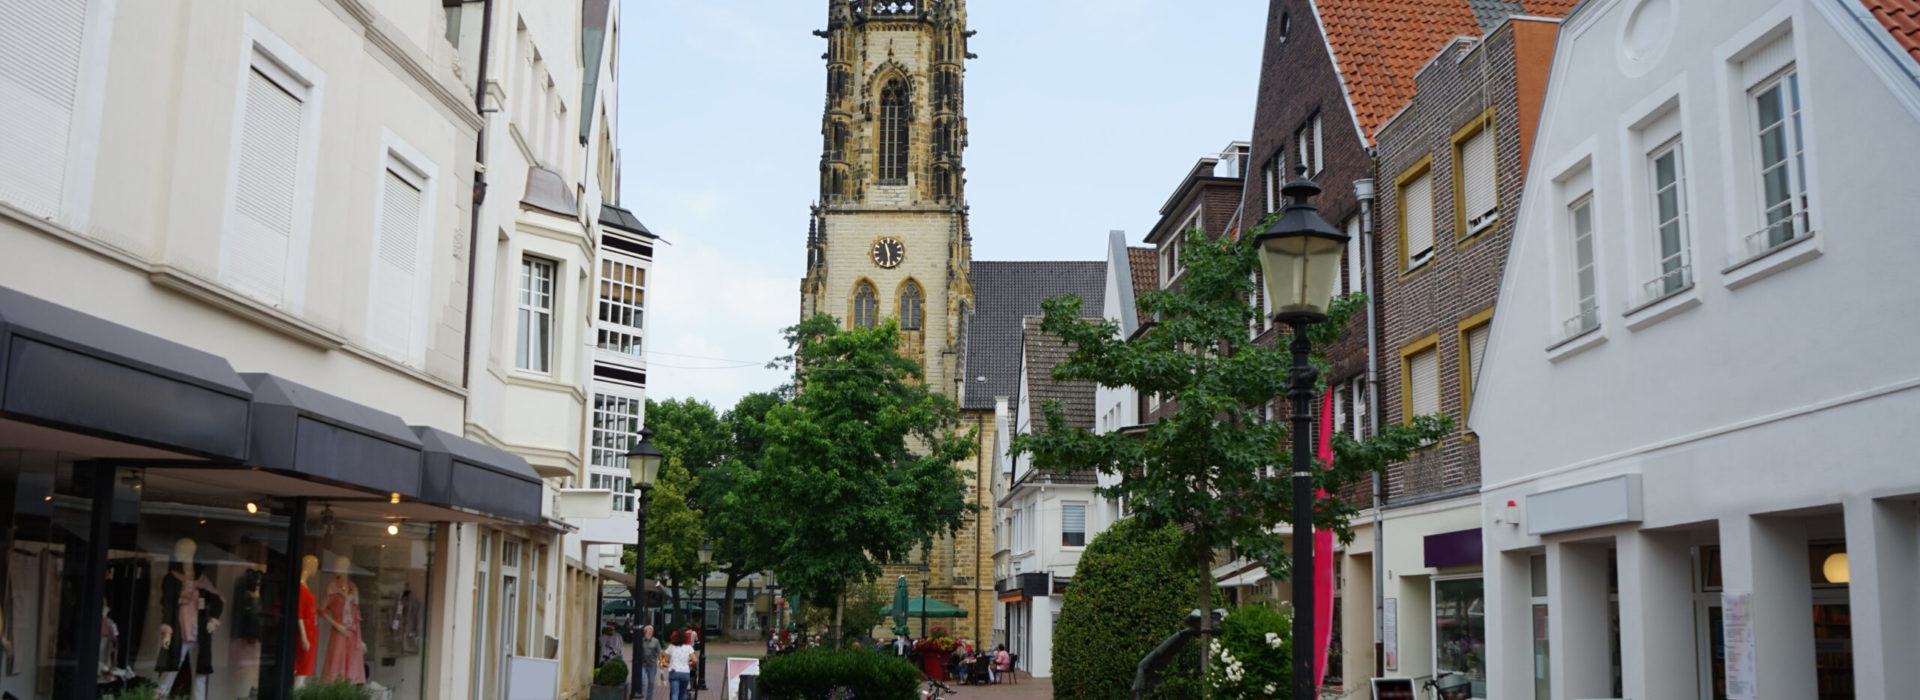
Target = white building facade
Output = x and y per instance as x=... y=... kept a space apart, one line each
x=1694 y=409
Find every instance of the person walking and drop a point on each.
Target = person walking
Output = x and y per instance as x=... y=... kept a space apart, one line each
x=646 y=663
x=680 y=660
x=609 y=646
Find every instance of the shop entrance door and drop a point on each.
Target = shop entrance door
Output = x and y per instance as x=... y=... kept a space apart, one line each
x=509 y=597
x=1833 y=643
x=1711 y=647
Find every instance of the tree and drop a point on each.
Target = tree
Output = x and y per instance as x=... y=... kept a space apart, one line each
x=859 y=466
x=1216 y=467
x=692 y=442
x=741 y=542
x=1131 y=590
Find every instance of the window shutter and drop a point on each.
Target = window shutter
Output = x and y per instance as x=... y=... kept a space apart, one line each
x=1477 y=350
x=1479 y=192
x=397 y=252
x=1416 y=207
x=40 y=48
x=1073 y=525
x=255 y=250
x=1423 y=382
x=1355 y=273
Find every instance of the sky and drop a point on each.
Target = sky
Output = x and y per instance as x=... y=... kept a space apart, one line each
x=1082 y=117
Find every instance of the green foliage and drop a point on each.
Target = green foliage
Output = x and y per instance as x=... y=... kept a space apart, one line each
x=863 y=610
x=1205 y=467
x=1251 y=657
x=859 y=466
x=141 y=690
x=613 y=672
x=1131 y=590
x=814 y=674
x=332 y=690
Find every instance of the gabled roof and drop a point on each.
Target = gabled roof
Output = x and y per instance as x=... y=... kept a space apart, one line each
x=1378 y=45
x=1043 y=351
x=616 y=217
x=1003 y=294
x=1902 y=20
x=1145 y=266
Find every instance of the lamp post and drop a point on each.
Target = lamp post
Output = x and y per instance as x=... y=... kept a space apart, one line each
x=1300 y=256
x=706 y=558
x=643 y=466
x=926 y=581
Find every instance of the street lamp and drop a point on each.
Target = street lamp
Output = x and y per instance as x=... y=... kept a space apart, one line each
x=1300 y=256
x=926 y=581
x=706 y=558
x=643 y=467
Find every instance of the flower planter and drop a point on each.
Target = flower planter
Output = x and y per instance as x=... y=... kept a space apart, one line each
x=607 y=692
x=935 y=664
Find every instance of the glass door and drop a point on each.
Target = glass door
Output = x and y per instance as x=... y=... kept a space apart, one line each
x=1711 y=648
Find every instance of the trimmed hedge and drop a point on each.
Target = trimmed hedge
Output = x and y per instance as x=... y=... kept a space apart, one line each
x=1131 y=590
x=611 y=673
x=813 y=674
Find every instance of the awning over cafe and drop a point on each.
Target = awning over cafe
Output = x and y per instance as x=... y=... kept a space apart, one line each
x=68 y=370
x=301 y=429
x=467 y=475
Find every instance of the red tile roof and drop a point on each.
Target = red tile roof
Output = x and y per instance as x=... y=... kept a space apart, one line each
x=1380 y=44
x=1143 y=264
x=1902 y=19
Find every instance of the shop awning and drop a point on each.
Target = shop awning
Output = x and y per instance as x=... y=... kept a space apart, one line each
x=65 y=369
x=933 y=608
x=301 y=429
x=460 y=473
x=1249 y=578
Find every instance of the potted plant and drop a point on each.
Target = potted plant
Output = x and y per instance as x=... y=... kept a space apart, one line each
x=610 y=680
x=935 y=652
x=332 y=690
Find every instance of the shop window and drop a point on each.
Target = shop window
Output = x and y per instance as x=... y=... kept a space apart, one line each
x=1460 y=632
x=368 y=577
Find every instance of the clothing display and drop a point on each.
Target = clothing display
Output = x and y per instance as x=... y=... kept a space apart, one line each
x=129 y=594
x=346 y=648
x=309 y=611
x=249 y=616
x=187 y=605
x=404 y=627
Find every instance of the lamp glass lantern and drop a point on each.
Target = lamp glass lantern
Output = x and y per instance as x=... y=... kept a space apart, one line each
x=1300 y=257
x=643 y=461
x=706 y=553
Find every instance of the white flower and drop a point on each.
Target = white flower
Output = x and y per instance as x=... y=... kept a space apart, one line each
x=1270 y=689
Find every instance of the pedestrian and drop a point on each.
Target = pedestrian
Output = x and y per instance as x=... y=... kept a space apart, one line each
x=646 y=664
x=680 y=660
x=610 y=644
x=1000 y=661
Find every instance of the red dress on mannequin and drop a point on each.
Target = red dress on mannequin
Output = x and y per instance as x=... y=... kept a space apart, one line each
x=309 y=610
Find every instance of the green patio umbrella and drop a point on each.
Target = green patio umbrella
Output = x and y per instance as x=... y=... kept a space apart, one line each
x=933 y=608
x=899 y=606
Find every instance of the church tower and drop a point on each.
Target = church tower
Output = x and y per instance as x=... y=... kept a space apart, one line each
x=888 y=237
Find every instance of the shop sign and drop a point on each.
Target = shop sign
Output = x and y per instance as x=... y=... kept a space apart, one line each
x=1390 y=631
x=1737 y=623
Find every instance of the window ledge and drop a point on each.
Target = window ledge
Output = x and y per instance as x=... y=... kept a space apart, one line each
x=220 y=297
x=1417 y=264
x=1802 y=248
x=1662 y=307
x=1576 y=344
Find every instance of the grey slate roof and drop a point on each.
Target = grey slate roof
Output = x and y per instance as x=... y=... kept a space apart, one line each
x=1003 y=294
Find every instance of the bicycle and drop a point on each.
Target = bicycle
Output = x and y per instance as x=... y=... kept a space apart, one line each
x=935 y=690
x=1440 y=688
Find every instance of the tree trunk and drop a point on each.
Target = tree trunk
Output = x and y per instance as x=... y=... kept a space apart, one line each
x=1204 y=558
x=673 y=604
x=726 y=604
x=839 y=609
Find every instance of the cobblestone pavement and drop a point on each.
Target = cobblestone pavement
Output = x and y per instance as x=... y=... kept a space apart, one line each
x=1027 y=689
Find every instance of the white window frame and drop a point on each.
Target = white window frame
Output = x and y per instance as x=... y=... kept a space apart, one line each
x=1086 y=527
x=633 y=333
x=524 y=338
x=1585 y=306
x=262 y=50
x=606 y=456
x=1764 y=51
x=1307 y=142
x=413 y=166
x=1791 y=125
x=82 y=148
x=1573 y=178
x=1276 y=178
x=1659 y=281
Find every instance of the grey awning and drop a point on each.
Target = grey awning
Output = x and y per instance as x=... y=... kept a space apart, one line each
x=618 y=218
x=300 y=429
x=460 y=473
x=65 y=369
x=548 y=192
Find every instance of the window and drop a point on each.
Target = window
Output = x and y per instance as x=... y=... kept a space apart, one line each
x=912 y=303
x=1474 y=332
x=1306 y=142
x=1666 y=174
x=1460 y=631
x=256 y=251
x=1416 y=215
x=1073 y=525
x=533 y=346
x=1355 y=279
x=1420 y=377
x=893 y=133
x=622 y=306
x=1542 y=653
x=1475 y=188
x=41 y=77
x=1170 y=257
x=396 y=305
x=1276 y=178
x=866 y=305
x=1584 y=289
x=616 y=426
x=1782 y=162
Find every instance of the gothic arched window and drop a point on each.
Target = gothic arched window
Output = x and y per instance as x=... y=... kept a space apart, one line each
x=866 y=305
x=912 y=306
x=893 y=133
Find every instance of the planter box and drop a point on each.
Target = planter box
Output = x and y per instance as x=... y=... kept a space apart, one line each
x=608 y=692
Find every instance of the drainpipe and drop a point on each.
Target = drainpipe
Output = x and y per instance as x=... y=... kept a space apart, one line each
x=1363 y=189
x=479 y=190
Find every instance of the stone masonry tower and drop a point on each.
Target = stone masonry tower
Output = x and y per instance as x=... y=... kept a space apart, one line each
x=888 y=237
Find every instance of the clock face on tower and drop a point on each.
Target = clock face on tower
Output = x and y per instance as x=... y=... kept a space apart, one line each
x=887 y=252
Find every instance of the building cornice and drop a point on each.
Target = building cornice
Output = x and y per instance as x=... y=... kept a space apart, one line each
x=412 y=61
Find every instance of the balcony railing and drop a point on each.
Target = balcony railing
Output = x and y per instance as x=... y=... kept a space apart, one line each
x=1785 y=230
x=1669 y=282
x=1586 y=320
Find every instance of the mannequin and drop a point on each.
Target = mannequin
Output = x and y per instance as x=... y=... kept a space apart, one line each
x=190 y=614
x=346 y=648
x=249 y=617
x=309 y=628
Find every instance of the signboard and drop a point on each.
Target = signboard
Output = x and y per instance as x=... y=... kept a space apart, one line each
x=1390 y=632
x=1736 y=621
x=1393 y=689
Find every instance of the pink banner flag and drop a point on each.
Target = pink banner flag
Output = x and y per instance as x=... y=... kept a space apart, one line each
x=1323 y=560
